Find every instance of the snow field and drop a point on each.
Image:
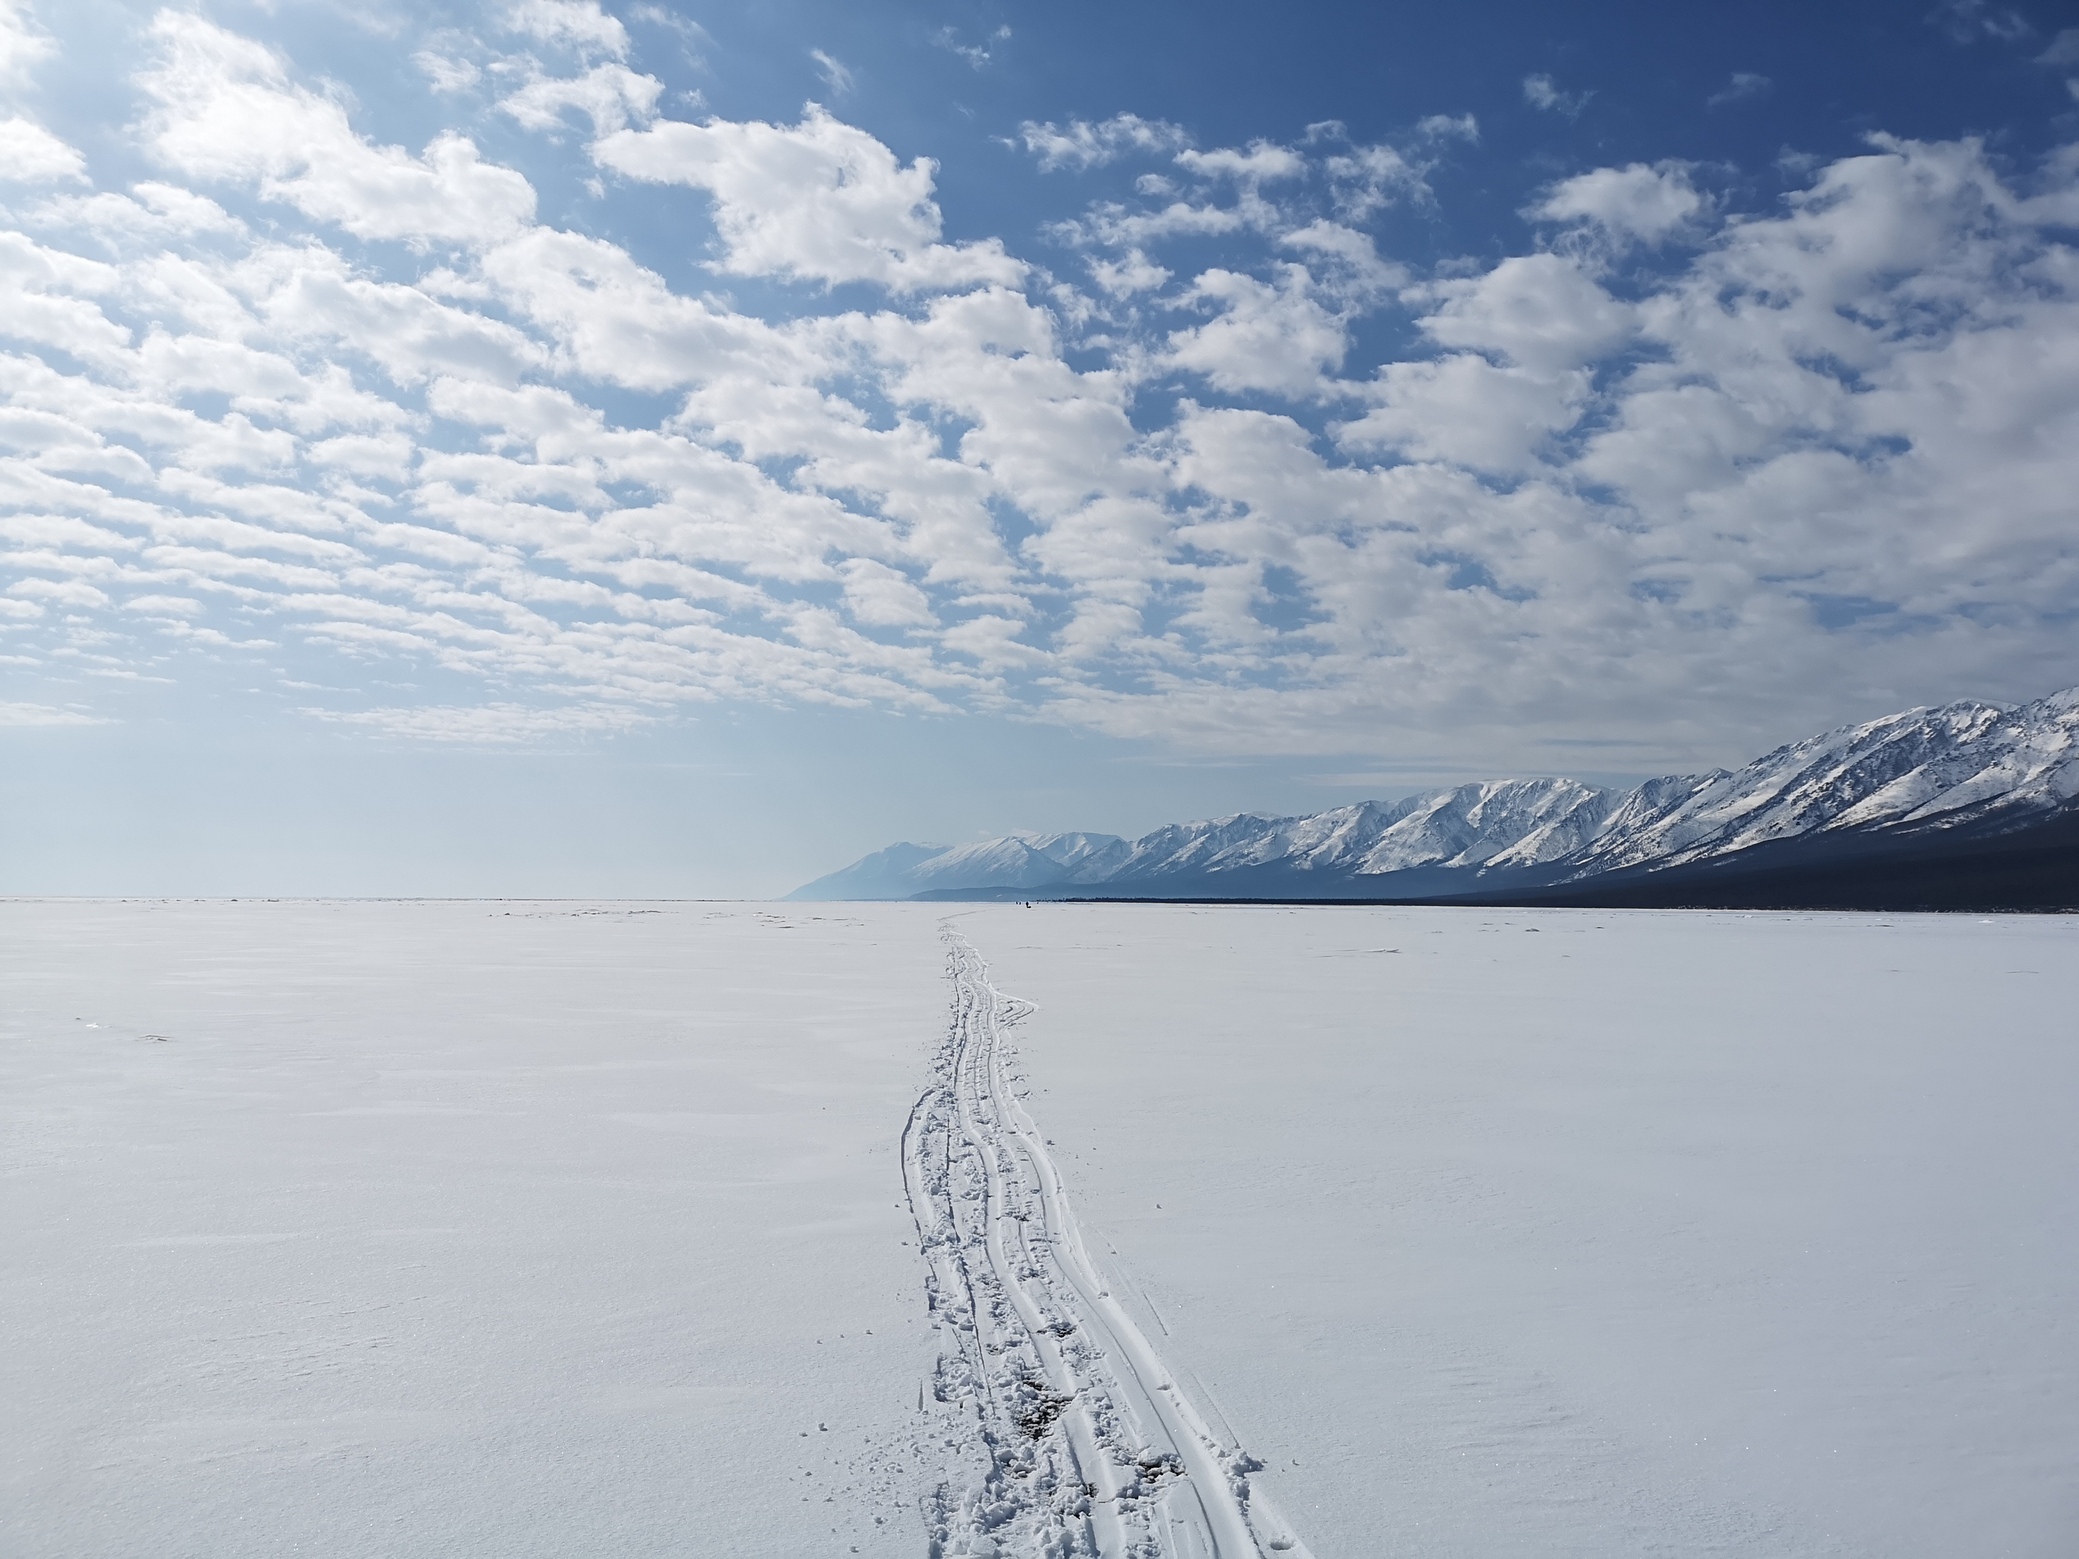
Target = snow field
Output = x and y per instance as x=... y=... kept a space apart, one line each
x=460 y=1229
x=543 y=1229
x=1570 y=1233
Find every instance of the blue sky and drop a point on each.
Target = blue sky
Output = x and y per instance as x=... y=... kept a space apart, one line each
x=668 y=448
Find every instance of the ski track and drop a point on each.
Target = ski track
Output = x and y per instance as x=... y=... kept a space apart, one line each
x=1066 y=1433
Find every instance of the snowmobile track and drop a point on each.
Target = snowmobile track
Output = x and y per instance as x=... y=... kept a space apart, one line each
x=1069 y=1437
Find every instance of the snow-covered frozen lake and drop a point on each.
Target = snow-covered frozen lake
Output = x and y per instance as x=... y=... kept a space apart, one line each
x=547 y=1229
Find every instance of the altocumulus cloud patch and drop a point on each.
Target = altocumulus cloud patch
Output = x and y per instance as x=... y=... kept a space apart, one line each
x=299 y=390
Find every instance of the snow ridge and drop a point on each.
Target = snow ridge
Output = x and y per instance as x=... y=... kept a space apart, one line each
x=1075 y=1440
x=1916 y=772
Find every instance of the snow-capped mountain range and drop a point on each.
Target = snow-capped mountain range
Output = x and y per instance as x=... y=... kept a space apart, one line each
x=1966 y=768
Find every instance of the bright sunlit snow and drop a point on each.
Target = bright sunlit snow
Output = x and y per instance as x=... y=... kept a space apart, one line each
x=505 y=1229
x=419 y=1228
x=1526 y=1235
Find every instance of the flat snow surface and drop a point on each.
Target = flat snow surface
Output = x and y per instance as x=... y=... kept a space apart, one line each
x=460 y=1229
x=1574 y=1233
x=558 y=1229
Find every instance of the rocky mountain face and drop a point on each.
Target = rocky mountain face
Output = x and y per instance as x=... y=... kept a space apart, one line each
x=1961 y=770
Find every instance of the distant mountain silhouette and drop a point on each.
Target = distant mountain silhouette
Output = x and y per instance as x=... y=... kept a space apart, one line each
x=1968 y=805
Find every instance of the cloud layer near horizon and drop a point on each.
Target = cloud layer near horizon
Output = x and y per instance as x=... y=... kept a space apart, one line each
x=323 y=402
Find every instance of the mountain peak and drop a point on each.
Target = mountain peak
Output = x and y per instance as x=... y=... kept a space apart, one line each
x=1968 y=763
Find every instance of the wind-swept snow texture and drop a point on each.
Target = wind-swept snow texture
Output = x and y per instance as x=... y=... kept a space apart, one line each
x=1077 y=1438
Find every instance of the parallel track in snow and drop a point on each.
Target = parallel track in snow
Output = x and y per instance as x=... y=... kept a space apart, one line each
x=1073 y=1437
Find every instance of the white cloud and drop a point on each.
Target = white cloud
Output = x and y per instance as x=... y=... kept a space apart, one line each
x=1649 y=204
x=1541 y=91
x=1350 y=251
x=1463 y=410
x=1130 y=273
x=993 y=642
x=23 y=45
x=499 y=725
x=164 y=605
x=152 y=211
x=579 y=25
x=1743 y=85
x=1264 y=162
x=1968 y=20
x=1368 y=179
x=1115 y=226
x=225 y=109
x=1112 y=224
x=47 y=297
x=881 y=597
x=817 y=201
x=617 y=321
x=30 y=154
x=1085 y=144
x=1578 y=497
x=1443 y=127
x=58 y=592
x=610 y=95
x=21 y=715
x=447 y=74
x=1537 y=310
x=312 y=297
x=835 y=73
x=976 y=54
x=1266 y=337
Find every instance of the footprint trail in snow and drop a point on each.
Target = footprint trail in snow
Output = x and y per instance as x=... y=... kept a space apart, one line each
x=1068 y=1437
